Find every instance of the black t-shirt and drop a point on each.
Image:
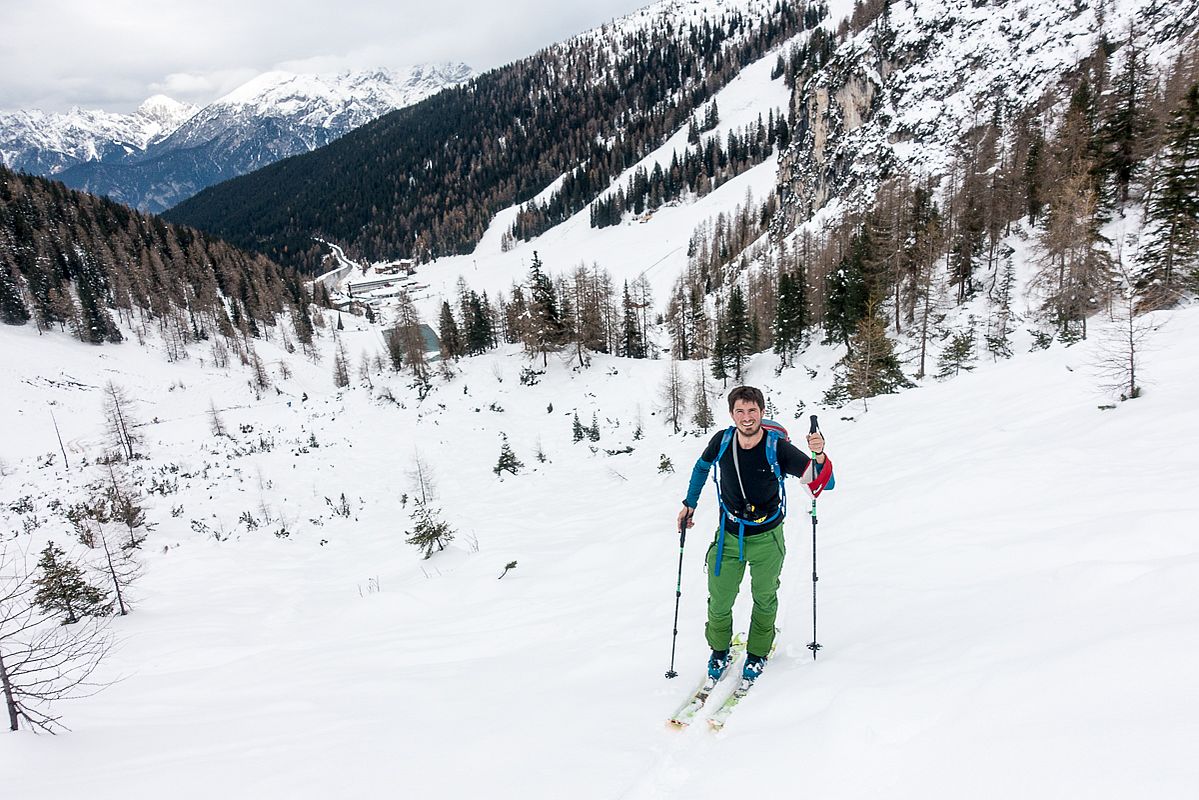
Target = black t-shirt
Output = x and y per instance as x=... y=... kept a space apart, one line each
x=761 y=488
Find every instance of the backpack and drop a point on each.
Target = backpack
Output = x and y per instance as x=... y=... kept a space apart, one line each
x=774 y=432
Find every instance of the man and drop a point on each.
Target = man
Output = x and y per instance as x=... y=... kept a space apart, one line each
x=752 y=511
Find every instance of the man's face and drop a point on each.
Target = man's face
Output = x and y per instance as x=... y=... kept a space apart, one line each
x=747 y=417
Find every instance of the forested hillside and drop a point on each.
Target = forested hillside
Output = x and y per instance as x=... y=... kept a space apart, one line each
x=425 y=181
x=73 y=261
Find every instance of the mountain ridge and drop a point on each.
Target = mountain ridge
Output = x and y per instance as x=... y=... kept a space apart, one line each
x=166 y=151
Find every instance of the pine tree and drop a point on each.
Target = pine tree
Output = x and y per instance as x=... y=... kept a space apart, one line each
x=737 y=334
x=720 y=363
x=593 y=433
x=62 y=588
x=702 y=414
x=1128 y=124
x=546 y=332
x=847 y=299
x=12 y=307
x=871 y=367
x=428 y=530
x=958 y=355
x=508 y=461
x=577 y=430
x=965 y=245
x=1000 y=321
x=1170 y=258
x=1034 y=175
x=711 y=116
x=91 y=285
x=790 y=317
x=451 y=338
x=480 y=331
x=632 y=342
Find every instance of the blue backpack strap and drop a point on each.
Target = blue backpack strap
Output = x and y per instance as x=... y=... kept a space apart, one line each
x=772 y=458
x=724 y=446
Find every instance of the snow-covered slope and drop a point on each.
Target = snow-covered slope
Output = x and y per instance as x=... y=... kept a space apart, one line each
x=1006 y=600
x=1006 y=594
x=655 y=245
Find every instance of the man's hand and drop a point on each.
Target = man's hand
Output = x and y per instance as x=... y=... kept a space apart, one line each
x=687 y=514
x=816 y=442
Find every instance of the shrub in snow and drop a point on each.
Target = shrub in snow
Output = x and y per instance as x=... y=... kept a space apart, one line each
x=428 y=531
x=63 y=588
x=508 y=461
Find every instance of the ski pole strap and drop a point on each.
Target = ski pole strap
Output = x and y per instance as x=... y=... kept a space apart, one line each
x=824 y=477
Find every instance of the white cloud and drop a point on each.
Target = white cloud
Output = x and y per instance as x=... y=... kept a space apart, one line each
x=112 y=55
x=201 y=88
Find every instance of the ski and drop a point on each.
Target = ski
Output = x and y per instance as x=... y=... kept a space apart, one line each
x=721 y=715
x=691 y=707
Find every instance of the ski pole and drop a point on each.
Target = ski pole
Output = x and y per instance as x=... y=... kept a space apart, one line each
x=814 y=645
x=678 y=594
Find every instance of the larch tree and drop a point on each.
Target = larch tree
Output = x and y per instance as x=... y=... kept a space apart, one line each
x=119 y=418
x=673 y=394
x=1076 y=268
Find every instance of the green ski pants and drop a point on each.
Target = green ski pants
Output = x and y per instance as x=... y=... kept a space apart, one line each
x=764 y=554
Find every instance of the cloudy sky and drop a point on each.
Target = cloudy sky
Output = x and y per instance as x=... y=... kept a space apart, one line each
x=112 y=55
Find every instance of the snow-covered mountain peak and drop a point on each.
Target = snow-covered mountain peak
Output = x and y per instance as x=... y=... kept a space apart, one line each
x=275 y=115
x=280 y=93
x=166 y=110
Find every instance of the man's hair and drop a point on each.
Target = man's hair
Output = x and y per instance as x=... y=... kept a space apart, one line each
x=748 y=393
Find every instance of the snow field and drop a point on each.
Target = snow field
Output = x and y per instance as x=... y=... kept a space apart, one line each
x=1005 y=594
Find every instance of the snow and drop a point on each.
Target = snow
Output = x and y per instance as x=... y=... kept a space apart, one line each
x=365 y=94
x=342 y=101
x=1006 y=593
x=654 y=245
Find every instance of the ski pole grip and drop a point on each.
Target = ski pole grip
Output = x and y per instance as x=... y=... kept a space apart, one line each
x=815 y=425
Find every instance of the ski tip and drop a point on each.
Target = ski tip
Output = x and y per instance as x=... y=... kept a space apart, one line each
x=676 y=724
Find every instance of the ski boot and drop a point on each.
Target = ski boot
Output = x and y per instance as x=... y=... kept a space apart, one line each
x=718 y=663
x=753 y=667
